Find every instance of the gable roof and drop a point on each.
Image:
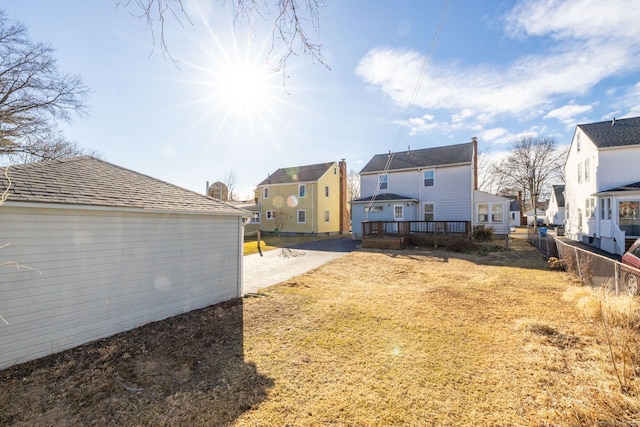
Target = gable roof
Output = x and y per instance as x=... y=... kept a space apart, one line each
x=424 y=158
x=558 y=191
x=514 y=206
x=92 y=182
x=613 y=133
x=296 y=174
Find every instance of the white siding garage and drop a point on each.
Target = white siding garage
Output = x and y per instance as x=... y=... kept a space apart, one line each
x=101 y=250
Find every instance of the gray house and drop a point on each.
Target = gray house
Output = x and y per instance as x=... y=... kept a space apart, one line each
x=93 y=249
x=430 y=184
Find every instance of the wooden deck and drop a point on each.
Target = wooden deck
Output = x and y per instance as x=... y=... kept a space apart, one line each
x=399 y=234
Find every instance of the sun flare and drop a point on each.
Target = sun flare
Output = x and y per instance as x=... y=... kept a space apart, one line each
x=246 y=87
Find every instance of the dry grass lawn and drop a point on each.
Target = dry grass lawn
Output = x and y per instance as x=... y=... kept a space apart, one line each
x=416 y=337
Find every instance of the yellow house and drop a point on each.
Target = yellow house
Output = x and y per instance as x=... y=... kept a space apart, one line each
x=308 y=199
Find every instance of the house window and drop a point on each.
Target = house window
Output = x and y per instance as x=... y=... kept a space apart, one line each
x=373 y=209
x=578 y=142
x=589 y=205
x=496 y=213
x=271 y=214
x=326 y=191
x=266 y=193
x=255 y=218
x=629 y=217
x=384 y=182
x=580 y=173
x=429 y=178
x=398 y=212
x=605 y=209
x=587 y=170
x=429 y=212
x=302 y=217
x=483 y=213
x=335 y=171
x=302 y=191
x=326 y=216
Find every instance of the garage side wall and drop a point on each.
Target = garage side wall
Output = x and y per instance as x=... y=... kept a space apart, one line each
x=91 y=274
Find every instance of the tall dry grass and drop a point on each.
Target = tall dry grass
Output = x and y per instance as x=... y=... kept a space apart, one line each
x=615 y=393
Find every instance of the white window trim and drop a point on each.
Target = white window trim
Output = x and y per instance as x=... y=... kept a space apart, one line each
x=300 y=187
x=424 y=179
x=270 y=214
x=265 y=193
x=424 y=210
x=326 y=191
x=380 y=181
x=327 y=216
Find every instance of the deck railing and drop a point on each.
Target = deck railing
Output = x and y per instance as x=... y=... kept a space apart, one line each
x=376 y=229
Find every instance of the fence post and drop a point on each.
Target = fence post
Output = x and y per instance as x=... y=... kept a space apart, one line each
x=575 y=253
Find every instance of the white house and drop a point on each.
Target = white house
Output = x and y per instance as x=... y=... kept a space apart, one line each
x=93 y=249
x=515 y=213
x=431 y=184
x=602 y=188
x=555 y=212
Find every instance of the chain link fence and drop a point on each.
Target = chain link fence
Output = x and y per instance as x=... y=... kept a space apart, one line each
x=596 y=270
x=541 y=240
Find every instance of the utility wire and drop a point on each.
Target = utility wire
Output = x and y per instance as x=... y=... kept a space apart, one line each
x=427 y=60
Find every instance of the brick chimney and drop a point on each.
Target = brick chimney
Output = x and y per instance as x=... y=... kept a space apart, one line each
x=344 y=211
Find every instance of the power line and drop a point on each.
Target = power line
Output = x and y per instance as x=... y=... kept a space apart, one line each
x=427 y=60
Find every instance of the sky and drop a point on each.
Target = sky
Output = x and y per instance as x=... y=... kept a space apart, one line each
x=398 y=74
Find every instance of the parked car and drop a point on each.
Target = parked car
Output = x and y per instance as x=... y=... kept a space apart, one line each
x=630 y=276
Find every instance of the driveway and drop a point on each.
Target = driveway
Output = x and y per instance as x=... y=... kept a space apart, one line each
x=278 y=265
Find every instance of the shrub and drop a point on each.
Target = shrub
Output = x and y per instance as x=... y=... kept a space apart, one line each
x=482 y=233
x=460 y=244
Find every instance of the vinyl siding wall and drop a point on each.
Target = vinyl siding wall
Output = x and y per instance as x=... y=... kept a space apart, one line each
x=451 y=194
x=104 y=272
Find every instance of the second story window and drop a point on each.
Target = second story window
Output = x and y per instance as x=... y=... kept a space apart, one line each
x=384 y=182
x=326 y=191
x=302 y=191
x=429 y=178
x=266 y=193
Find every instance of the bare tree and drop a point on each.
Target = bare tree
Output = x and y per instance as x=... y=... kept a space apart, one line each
x=487 y=179
x=353 y=185
x=290 y=22
x=231 y=181
x=34 y=95
x=533 y=165
x=282 y=217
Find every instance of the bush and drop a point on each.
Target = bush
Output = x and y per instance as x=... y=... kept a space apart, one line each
x=460 y=244
x=482 y=233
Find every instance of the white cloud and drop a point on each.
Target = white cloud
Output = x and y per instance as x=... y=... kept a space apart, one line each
x=567 y=113
x=589 y=40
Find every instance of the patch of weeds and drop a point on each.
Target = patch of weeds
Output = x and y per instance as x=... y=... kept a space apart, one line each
x=482 y=233
x=460 y=244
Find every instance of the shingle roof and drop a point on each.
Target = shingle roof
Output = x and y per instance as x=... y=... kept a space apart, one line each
x=613 y=133
x=558 y=190
x=290 y=175
x=93 y=182
x=426 y=157
x=385 y=197
x=623 y=188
